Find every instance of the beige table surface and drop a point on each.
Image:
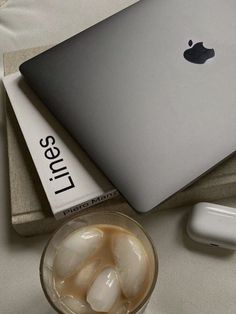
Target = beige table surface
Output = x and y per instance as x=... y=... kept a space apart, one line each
x=193 y=279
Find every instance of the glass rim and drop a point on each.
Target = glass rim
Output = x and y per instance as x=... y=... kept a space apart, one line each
x=112 y=213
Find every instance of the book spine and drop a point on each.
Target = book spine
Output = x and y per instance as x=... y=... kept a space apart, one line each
x=76 y=209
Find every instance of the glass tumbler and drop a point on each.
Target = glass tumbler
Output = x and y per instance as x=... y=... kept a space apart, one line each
x=83 y=220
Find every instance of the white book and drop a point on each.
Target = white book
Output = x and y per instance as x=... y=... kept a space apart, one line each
x=71 y=181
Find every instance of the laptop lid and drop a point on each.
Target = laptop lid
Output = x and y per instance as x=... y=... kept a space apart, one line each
x=149 y=93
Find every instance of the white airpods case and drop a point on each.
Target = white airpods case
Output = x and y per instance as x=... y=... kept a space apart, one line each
x=213 y=224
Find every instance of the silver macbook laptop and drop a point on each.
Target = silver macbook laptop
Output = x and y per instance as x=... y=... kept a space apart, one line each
x=149 y=93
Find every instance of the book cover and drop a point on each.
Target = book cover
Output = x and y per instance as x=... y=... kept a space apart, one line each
x=70 y=179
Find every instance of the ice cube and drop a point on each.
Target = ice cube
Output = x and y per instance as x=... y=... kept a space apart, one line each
x=75 y=305
x=86 y=275
x=120 y=307
x=59 y=285
x=132 y=263
x=76 y=248
x=104 y=291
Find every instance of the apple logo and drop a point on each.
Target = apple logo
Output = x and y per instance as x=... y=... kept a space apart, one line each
x=198 y=53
